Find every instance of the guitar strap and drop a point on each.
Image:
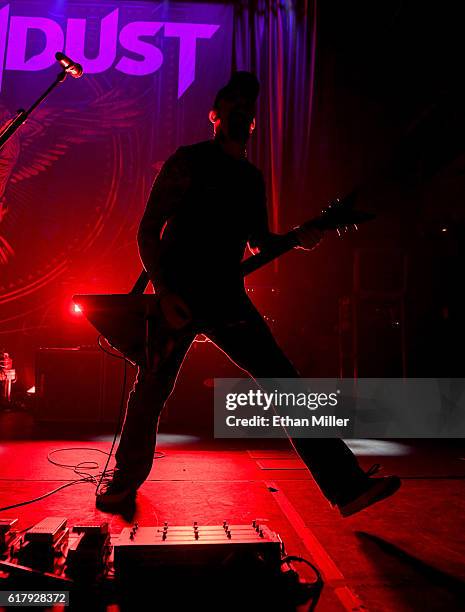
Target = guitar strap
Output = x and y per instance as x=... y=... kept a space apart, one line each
x=141 y=283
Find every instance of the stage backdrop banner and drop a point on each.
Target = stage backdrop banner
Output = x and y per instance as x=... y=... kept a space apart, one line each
x=74 y=179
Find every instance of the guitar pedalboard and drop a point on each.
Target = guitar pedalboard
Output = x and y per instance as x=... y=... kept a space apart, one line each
x=88 y=561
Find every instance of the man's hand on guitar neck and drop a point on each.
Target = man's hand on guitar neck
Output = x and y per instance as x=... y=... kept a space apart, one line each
x=309 y=237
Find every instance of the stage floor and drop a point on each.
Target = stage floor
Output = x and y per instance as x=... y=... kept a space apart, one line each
x=407 y=553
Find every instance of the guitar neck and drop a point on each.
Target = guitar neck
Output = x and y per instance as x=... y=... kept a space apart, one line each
x=285 y=243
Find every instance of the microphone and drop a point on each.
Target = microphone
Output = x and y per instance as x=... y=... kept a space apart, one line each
x=75 y=70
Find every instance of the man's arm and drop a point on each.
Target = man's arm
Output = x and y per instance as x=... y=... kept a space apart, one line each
x=261 y=238
x=168 y=190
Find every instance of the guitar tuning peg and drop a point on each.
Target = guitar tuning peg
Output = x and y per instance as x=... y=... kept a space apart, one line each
x=338 y=232
x=355 y=227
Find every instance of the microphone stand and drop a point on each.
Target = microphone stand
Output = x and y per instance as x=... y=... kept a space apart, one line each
x=21 y=116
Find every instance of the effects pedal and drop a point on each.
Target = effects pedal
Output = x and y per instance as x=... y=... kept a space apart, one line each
x=88 y=551
x=43 y=546
x=195 y=546
x=46 y=531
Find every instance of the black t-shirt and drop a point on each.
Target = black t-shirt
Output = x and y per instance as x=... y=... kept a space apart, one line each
x=206 y=205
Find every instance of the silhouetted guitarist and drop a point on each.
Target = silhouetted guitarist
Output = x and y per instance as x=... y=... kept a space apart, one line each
x=207 y=204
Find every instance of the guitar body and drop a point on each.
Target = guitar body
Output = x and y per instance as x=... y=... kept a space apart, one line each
x=122 y=319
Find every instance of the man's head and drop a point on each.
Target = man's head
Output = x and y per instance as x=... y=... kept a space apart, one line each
x=233 y=111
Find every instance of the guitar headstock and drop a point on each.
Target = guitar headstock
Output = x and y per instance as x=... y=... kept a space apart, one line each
x=340 y=215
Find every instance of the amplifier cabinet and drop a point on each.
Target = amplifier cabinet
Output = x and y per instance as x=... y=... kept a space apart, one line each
x=77 y=385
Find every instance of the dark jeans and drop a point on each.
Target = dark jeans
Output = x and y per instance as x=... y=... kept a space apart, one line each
x=247 y=340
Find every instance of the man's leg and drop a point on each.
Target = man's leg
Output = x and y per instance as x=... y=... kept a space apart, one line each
x=251 y=345
x=136 y=449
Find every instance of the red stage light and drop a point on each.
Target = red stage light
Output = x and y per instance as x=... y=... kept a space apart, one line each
x=76 y=309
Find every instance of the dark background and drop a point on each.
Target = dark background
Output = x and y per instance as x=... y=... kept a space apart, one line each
x=389 y=120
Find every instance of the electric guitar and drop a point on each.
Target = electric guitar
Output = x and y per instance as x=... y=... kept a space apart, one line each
x=129 y=321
